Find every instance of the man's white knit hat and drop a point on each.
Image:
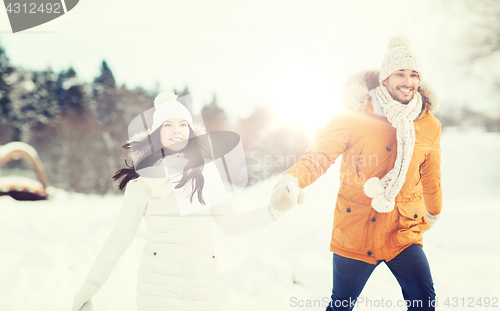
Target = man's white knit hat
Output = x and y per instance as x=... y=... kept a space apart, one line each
x=167 y=107
x=399 y=56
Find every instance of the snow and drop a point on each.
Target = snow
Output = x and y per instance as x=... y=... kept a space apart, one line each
x=19 y=182
x=16 y=145
x=49 y=246
x=74 y=81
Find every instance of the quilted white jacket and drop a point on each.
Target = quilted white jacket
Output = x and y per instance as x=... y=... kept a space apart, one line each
x=178 y=264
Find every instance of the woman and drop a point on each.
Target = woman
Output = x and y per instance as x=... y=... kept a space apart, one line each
x=177 y=270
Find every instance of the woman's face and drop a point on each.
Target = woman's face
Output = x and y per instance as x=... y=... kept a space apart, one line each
x=174 y=134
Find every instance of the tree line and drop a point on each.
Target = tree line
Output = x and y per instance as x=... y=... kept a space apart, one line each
x=78 y=127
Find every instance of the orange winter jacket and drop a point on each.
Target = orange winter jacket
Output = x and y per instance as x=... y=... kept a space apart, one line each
x=368 y=145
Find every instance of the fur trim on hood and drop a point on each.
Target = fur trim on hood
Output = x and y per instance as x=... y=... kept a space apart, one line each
x=358 y=85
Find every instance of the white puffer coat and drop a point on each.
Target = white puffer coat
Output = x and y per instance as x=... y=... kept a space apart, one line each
x=177 y=270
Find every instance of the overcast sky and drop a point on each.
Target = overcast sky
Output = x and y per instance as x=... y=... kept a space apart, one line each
x=249 y=53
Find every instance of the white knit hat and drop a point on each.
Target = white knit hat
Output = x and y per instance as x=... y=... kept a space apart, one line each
x=399 y=56
x=167 y=107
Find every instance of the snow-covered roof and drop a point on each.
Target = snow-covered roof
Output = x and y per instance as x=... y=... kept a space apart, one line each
x=17 y=145
x=20 y=183
x=15 y=150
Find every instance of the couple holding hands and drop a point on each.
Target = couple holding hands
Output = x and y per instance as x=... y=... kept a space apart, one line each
x=379 y=215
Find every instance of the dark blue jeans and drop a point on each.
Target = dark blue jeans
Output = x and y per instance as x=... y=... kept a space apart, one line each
x=410 y=268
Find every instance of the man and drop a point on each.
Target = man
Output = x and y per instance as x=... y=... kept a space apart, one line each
x=390 y=188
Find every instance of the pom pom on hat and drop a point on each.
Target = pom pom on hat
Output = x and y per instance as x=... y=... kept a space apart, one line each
x=399 y=56
x=164 y=97
x=167 y=107
x=399 y=41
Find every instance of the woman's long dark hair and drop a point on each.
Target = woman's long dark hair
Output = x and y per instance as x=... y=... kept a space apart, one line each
x=194 y=152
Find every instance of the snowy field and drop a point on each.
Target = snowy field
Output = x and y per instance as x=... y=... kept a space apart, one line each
x=47 y=248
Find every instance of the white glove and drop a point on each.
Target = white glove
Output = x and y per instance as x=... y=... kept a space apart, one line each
x=286 y=195
x=82 y=301
x=431 y=218
x=88 y=306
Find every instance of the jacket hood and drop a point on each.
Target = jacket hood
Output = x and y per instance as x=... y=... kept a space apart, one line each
x=358 y=85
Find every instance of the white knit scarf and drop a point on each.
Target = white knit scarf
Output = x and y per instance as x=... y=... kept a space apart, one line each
x=162 y=176
x=384 y=191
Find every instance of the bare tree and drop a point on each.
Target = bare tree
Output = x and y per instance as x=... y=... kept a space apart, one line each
x=484 y=33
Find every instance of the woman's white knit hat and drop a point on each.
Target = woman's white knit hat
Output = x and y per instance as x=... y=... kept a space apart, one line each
x=167 y=107
x=399 y=56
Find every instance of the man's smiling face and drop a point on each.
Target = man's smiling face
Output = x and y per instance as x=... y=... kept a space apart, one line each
x=403 y=85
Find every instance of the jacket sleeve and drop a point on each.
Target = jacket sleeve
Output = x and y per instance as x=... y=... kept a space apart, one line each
x=232 y=223
x=431 y=177
x=324 y=151
x=121 y=236
x=222 y=211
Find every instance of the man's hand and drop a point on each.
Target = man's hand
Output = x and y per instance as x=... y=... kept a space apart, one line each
x=431 y=218
x=286 y=194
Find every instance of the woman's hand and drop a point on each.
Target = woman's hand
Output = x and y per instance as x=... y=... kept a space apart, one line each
x=87 y=306
x=82 y=301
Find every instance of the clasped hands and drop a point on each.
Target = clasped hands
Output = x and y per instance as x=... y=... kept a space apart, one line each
x=286 y=194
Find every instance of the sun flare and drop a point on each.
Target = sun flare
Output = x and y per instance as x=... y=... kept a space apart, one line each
x=301 y=95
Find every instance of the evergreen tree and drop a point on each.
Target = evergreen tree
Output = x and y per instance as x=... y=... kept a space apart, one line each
x=104 y=98
x=184 y=92
x=106 y=78
x=70 y=92
x=110 y=116
x=6 y=70
x=186 y=100
x=214 y=117
x=42 y=101
x=253 y=128
x=34 y=101
x=46 y=86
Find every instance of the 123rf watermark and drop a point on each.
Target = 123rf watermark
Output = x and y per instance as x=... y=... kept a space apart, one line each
x=449 y=302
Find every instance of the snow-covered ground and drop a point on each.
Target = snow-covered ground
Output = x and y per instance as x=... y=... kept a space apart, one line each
x=48 y=247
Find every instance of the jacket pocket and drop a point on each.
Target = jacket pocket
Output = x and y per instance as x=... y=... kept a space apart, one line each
x=410 y=223
x=350 y=224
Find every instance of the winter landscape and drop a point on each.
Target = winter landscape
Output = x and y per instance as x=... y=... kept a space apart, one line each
x=49 y=246
x=273 y=72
